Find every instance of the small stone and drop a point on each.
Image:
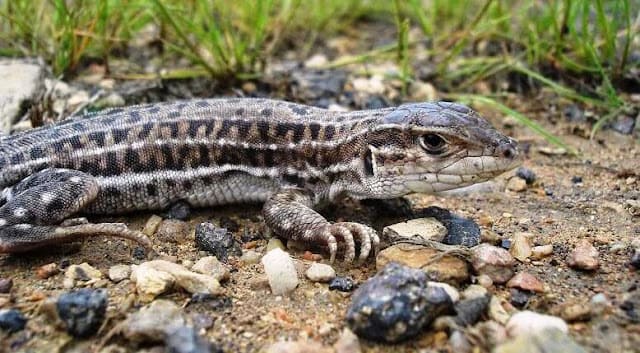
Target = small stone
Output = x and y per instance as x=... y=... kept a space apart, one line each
x=347 y=342
x=342 y=284
x=635 y=259
x=5 y=285
x=624 y=125
x=209 y=265
x=495 y=262
x=172 y=231
x=229 y=223
x=526 y=281
x=490 y=237
x=519 y=298
x=250 y=257
x=118 y=273
x=46 y=271
x=584 y=256
x=82 y=311
x=546 y=341
x=633 y=207
x=521 y=246
x=156 y=277
x=526 y=174
x=484 y=281
x=395 y=305
x=573 y=312
x=541 y=251
x=418 y=230
x=517 y=185
x=469 y=311
x=12 y=320
x=316 y=61
x=298 y=347
x=217 y=241
x=180 y=210
x=474 y=291
x=453 y=293
x=576 y=179
x=525 y=322
x=320 y=273
x=459 y=342
x=22 y=87
x=153 y=322
x=445 y=268
x=275 y=243
x=497 y=312
x=139 y=253
x=631 y=306
x=185 y=339
x=460 y=230
x=280 y=271
x=422 y=91
x=81 y=273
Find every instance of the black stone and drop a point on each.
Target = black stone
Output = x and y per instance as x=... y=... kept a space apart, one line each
x=5 y=285
x=396 y=305
x=635 y=259
x=576 y=179
x=470 y=311
x=624 y=125
x=229 y=224
x=217 y=241
x=631 y=306
x=139 y=253
x=185 y=339
x=12 y=320
x=82 y=311
x=460 y=230
x=520 y=298
x=527 y=174
x=179 y=210
x=342 y=284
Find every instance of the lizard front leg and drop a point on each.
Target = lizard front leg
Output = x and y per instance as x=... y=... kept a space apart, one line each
x=35 y=207
x=289 y=214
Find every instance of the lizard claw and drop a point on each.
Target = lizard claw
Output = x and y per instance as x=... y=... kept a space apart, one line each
x=347 y=232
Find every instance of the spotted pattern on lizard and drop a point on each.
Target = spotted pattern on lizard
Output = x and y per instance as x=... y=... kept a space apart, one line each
x=210 y=152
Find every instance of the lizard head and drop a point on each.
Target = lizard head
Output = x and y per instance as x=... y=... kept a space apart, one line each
x=432 y=147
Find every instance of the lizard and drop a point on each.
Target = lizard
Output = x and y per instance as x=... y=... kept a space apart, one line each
x=209 y=152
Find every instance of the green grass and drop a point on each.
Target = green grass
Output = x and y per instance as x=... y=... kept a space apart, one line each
x=578 y=49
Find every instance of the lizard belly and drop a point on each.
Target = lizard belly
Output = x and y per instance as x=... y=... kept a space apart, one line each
x=198 y=187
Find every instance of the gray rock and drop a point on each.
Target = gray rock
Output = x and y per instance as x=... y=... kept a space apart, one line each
x=153 y=322
x=12 y=320
x=217 y=241
x=184 y=339
x=82 y=311
x=21 y=89
x=415 y=230
x=493 y=261
x=118 y=273
x=396 y=304
x=460 y=230
x=209 y=265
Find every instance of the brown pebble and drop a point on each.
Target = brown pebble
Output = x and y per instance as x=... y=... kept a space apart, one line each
x=5 y=285
x=573 y=312
x=250 y=244
x=46 y=271
x=172 y=231
x=584 y=256
x=526 y=281
x=309 y=256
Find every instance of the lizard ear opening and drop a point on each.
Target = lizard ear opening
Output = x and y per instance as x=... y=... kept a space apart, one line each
x=368 y=162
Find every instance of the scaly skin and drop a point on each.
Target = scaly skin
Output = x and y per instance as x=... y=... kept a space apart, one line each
x=220 y=151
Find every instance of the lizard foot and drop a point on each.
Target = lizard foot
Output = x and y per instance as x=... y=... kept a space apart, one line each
x=348 y=233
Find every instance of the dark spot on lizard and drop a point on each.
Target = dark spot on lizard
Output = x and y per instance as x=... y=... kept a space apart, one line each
x=36 y=152
x=75 y=142
x=97 y=137
x=266 y=112
x=329 y=132
x=315 y=130
x=187 y=185
x=153 y=110
x=204 y=155
x=299 y=110
x=146 y=131
x=240 y=112
x=173 y=114
x=202 y=104
x=263 y=129
x=224 y=130
x=119 y=135
x=55 y=205
x=152 y=190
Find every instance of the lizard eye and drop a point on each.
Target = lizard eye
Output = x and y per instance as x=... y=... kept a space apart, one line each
x=433 y=143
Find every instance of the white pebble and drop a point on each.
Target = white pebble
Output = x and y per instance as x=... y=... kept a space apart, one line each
x=320 y=273
x=529 y=322
x=280 y=271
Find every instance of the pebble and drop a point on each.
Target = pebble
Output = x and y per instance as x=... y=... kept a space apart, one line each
x=347 y=342
x=5 y=285
x=521 y=246
x=320 y=273
x=474 y=291
x=22 y=87
x=576 y=179
x=118 y=273
x=624 y=125
x=395 y=304
x=469 y=311
x=217 y=241
x=209 y=265
x=453 y=293
x=155 y=277
x=447 y=268
x=526 y=281
x=526 y=174
x=298 y=347
x=459 y=342
x=631 y=306
x=516 y=185
x=573 y=312
x=495 y=262
x=12 y=320
x=185 y=339
x=584 y=256
x=250 y=257
x=635 y=259
x=485 y=281
x=172 y=231
x=460 y=230
x=547 y=341
x=275 y=243
x=151 y=226
x=48 y=270
x=342 y=284
x=80 y=273
x=524 y=322
x=541 y=251
x=280 y=271
x=179 y=210
x=415 y=230
x=497 y=312
x=82 y=311
x=519 y=298
x=633 y=207
x=152 y=322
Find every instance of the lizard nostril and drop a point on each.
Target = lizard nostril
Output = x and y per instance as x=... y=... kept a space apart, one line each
x=508 y=151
